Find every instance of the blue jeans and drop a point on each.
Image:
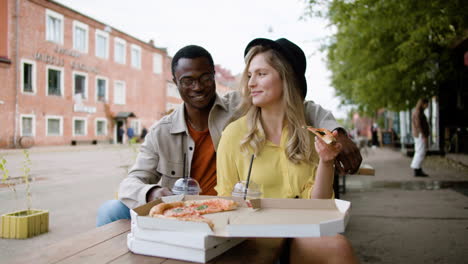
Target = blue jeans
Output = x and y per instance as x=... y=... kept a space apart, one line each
x=111 y=211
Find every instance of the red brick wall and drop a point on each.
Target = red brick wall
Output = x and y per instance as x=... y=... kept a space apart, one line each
x=4 y=29
x=145 y=90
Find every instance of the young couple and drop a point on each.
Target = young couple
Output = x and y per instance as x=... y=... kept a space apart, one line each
x=264 y=119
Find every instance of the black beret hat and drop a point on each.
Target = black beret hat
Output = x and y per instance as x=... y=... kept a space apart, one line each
x=291 y=52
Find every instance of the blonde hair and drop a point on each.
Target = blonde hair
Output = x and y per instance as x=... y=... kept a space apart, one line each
x=298 y=147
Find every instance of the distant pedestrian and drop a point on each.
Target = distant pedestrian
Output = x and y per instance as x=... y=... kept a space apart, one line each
x=421 y=135
x=130 y=133
x=144 y=131
x=120 y=133
x=375 y=135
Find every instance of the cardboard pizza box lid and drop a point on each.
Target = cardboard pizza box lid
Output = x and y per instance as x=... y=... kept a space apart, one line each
x=151 y=248
x=258 y=218
x=197 y=240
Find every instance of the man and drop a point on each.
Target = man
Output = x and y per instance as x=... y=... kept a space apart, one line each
x=420 y=135
x=192 y=133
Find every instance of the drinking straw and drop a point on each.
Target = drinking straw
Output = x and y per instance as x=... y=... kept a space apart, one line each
x=248 y=177
x=183 y=175
x=183 y=172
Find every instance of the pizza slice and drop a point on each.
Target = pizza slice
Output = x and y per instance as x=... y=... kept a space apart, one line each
x=323 y=133
x=192 y=210
x=211 y=205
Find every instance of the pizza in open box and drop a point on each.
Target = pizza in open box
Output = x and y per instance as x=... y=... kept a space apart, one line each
x=192 y=210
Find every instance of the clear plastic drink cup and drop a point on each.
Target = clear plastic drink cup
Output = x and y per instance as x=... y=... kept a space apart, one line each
x=253 y=191
x=187 y=186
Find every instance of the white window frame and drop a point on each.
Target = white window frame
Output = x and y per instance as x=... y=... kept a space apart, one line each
x=157 y=63
x=50 y=13
x=106 y=98
x=85 y=95
x=138 y=49
x=33 y=63
x=62 y=85
x=85 y=126
x=172 y=91
x=105 y=35
x=96 y=126
x=47 y=117
x=137 y=131
x=78 y=24
x=124 y=92
x=124 y=43
x=33 y=124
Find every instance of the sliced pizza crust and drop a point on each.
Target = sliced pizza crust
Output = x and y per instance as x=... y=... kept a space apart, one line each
x=192 y=210
x=323 y=133
x=195 y=218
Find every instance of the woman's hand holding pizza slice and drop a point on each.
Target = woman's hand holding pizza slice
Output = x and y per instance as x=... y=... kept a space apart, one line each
x=327 y=152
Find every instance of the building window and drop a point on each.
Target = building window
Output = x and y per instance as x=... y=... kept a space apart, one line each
x=101 y=89
x=119 y=50
x=80 y=85
x=54 y=81
x=28 y=76
x=136 y=56
x=54 y=125
x=172 y=91
x=157 y=63
x=80 y=36
x=101 y=127
x=135 y=124
x=79 y=126
x=54 y=26
x=102 y=44
x=27 y=125
x=119 y=92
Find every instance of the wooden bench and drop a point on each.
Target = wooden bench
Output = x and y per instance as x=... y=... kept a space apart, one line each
x=108 y=244
x=339 y=187
x=89 y=142
x=84 y=142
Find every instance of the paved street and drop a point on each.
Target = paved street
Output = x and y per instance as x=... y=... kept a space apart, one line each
x=395 y=218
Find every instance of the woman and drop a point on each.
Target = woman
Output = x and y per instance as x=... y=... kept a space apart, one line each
x=286 y=165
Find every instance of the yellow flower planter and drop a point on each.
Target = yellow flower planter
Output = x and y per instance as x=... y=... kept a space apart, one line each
x=24 y=224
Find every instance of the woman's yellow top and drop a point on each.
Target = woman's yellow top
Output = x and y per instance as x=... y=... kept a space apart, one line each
x=277 y=176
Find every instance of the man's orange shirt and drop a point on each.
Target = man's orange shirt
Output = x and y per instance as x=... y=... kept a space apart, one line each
x=204 y=161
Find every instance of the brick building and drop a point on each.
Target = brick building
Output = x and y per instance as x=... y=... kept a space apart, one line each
x=67 y=78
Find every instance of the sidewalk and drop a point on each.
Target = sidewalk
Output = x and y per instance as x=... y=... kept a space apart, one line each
x=390 y=222
x=398 y=218
x=392 y=168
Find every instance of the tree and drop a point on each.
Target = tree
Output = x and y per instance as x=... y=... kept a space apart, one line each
x=387 y=53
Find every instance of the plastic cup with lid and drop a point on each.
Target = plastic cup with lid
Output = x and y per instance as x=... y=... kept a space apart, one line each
x=187 y=186
x=253 y=191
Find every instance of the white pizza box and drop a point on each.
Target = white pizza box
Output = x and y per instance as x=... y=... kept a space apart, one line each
x=258 y=218
x=197 y=240
x=151 y=248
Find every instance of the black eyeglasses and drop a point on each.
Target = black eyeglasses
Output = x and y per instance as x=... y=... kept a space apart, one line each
x=206 y=79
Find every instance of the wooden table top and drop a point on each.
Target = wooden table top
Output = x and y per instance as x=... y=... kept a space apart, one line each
x=108 y=244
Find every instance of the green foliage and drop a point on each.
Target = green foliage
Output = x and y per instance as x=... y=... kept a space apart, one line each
x=26 y=174
x=4 y=170
x=134 y=146
x=6 y=176
x=6 y=179
x=388 y=53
